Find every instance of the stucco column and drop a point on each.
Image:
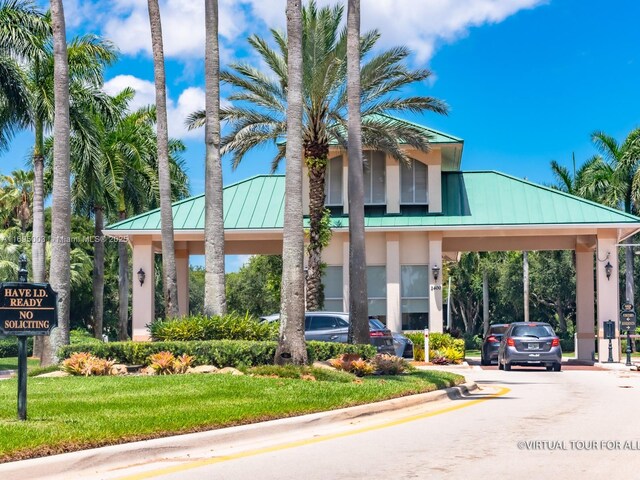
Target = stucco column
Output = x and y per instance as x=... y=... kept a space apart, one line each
x=345 y=273
x=393 y=185
x=394 y=317
x=143 y=299
x=182 y=270
x=608 y=294
x=585 y=296
x=435 y=286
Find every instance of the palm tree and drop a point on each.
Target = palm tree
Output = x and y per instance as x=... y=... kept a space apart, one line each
x=169 y=275
x=61 y=214
x=215 y=302
x=614 y=180
x=572 y=183
x=291 y=344
x=258 y=115
x=22 y=26
x=15 y=192
x=358 y=305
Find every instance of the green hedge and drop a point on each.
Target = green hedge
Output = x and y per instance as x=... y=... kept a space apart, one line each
x=9 y=347
x=224 y=327
x=437 y=341
x=221 y=353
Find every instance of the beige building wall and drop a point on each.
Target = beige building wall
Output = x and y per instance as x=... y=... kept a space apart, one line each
x=608 y=294
x=143 y=307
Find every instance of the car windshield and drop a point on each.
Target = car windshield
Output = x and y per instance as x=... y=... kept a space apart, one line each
x=532 y=331
x=498 y=329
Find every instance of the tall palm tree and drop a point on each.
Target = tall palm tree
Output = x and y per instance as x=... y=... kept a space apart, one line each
x=291 y=345
x=60 y=276
x=22 y=26
x=358 y=305
x=169 y=275
x=215 y=302
x=15 y=192
x=572 y=183
x=614 y=180
x=258 y=115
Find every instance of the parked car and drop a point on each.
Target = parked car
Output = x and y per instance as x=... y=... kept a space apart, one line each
x=491 y=343
x=334 y=327
x=530 y=344
x=402 y=344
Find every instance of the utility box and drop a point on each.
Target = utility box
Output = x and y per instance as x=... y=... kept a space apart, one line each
x=609 y=330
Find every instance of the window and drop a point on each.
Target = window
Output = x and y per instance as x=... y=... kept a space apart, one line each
x=374 y=178
x=324 y=322
x=377 y=292
x=413 y=183
x=333 y=182
x=332 y=282
x=414 y=288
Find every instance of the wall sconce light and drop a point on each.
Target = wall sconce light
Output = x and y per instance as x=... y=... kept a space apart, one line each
x=141 y=276
x=436 y=272
x=608 y=268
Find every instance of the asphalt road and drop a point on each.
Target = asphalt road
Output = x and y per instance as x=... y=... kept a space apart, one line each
x=523 y=424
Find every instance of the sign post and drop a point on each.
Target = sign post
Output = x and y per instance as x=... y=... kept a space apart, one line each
x=426 y=345
x=627 y=324
x=26 y=309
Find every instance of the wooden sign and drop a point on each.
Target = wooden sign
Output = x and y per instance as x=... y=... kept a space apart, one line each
x=27 y=309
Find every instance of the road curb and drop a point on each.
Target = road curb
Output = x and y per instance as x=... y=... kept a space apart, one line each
x=84 y=462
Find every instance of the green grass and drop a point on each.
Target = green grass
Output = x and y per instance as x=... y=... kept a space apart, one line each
x=472 y=353
x=11 y=363
x=72 y=413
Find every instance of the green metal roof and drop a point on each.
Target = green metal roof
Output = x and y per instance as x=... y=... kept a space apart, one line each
x=479 y=199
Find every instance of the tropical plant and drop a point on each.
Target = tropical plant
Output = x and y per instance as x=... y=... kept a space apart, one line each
x=215 y=302
x=614 y=180
x=259 y=112
x=86 y=364
x=15 y=195
x=291 y=344
x=169 y=274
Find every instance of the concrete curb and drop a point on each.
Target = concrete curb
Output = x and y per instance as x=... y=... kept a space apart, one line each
x=115 y=456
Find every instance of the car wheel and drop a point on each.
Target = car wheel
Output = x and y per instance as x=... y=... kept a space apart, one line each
x=557 y=367
x=507 y=366
x=500 y=365
x=483 y=361
x=549 y=368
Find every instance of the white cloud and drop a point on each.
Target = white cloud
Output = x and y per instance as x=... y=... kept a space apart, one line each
x=189 y=100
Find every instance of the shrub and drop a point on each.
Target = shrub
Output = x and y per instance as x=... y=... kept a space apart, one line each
x=437 y=343
x=353 y=363
x=80 y=335
x=165 y=363
x=83 y=363
x=360 y=368
x=9 y=346
x=389 y=364
x=224 y=327
x=472 y=342
x=221 y=353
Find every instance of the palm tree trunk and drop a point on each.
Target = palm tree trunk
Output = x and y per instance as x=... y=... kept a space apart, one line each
x=485 y=302
x=38 y=244
x=169 y=276
x=215 y=302
x=291 y=345
x=358 y=304
x=123 y=287
x=60 y=274
x=98 y=273
x=317 y=166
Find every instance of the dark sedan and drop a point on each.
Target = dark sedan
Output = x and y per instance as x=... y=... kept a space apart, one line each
x=491 y=343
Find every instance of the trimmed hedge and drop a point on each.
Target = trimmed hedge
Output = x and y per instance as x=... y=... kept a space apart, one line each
x=9 y=347
x=221 y=353
x=218 y=327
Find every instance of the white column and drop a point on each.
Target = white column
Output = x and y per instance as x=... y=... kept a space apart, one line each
x=182 y=270
x=345 y=273
x=394 y=316
x=434 y=179
x=393 y=185
x=608 y=294
x=143 y=298
x=435 y=286
x=345 y=186
x=585 y=296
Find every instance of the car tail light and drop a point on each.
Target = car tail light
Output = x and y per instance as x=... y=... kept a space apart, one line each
x=511 y=342
x=555 y=342
x=491 y=339
x=376 y=334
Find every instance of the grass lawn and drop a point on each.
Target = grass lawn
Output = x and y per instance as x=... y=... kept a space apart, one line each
x=472 y=353
x=72 y=413
x=11 y=363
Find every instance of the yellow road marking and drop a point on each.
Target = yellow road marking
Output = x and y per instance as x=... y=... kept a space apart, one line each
x=309 y=441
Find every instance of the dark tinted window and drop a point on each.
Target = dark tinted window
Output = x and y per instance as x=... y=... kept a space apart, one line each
x=498 y=329
x=324 y=322
x=532 y=331
x=374 y=323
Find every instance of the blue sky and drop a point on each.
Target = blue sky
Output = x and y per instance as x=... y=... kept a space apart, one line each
x=527 y=81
